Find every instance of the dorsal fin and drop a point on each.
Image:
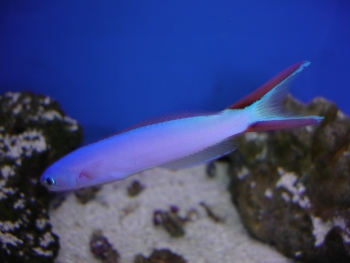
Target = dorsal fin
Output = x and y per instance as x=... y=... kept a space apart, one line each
x=262 y=90
x=160 y=119
x=169 y=117
x=208 y=154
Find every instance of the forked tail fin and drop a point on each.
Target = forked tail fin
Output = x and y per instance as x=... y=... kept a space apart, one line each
x=285 y=75
x=268 y=112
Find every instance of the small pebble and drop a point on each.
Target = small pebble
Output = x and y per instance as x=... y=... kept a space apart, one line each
x=160 y=256
x=135 y=188
x=211 y=214
x=86 y=194
x=102 y=249
x=211 y=170
x=170 y=220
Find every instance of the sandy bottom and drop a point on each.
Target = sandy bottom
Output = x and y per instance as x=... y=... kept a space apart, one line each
x=127 y=222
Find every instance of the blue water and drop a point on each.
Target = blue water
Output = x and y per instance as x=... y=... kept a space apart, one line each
x=113 y=63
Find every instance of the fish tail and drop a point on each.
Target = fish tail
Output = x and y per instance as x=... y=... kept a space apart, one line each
x=268 y=112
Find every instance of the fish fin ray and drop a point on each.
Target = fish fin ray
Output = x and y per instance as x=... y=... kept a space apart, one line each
x=160 y=119
x=208 y=154
x=169 y=117
x=281 y=78
x=269 y=113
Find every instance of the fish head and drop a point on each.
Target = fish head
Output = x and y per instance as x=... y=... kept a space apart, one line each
x=56 y=179
x=72 y=173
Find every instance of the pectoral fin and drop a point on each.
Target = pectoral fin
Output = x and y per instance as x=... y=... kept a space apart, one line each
x=91 y=170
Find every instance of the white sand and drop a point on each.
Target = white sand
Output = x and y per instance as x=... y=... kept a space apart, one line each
x=204 y=242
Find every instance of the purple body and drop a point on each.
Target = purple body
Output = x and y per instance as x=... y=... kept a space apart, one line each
x=179 y=142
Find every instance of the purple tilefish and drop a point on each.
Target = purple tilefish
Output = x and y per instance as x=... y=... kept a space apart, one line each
x=178 y=141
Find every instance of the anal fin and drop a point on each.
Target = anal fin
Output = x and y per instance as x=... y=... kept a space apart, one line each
x=208 y=154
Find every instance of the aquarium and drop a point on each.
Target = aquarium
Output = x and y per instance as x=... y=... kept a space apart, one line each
x=75 y=72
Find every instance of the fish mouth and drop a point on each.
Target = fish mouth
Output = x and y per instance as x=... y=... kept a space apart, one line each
x=57 y=188
x=54 y=183
x=48 y=187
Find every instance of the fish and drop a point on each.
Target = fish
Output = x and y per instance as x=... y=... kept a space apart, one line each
x=178 y=141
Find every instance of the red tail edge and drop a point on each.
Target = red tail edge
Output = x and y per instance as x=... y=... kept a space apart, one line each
x=265 y=88
x=283 y=124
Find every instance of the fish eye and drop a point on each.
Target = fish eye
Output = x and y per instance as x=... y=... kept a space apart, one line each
x=49 y=181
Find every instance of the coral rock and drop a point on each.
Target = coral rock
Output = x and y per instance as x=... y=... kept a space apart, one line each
x=34 y=132
x=292 y=187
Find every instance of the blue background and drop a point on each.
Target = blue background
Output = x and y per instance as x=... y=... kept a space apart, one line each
x=113 y=63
